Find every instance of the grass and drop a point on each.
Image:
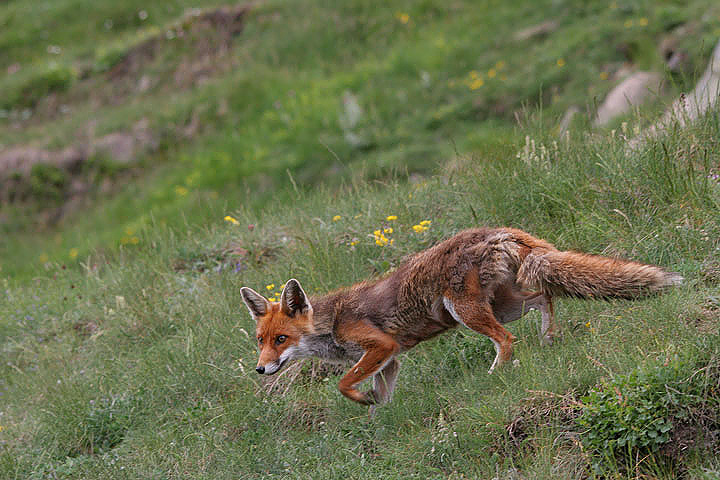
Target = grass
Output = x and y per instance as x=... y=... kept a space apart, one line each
x=276 y=101
x=143 y=367
x=126 y=348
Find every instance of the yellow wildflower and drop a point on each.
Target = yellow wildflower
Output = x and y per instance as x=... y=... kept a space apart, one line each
x=388 y=230
x=492 y=73
x=380 y=238
x=643 y=22
x=270 y=286
x=425 y=223
x=474 y=74
x=419 y=228
x=353 y=243
x=336 y=218
x=181 y=191
x=390 y=218
x=230 y=219
x=403 y=17
x=604 y=75
x=477 y=83
x=560 y=62
x=134 y=240
x=73 y=253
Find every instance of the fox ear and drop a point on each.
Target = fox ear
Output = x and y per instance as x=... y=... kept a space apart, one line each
x=293 y=299
x=255 y=302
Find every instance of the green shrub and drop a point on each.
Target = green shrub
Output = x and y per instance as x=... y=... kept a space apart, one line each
x=638 y=412
x=39 y=83
x=47 y=181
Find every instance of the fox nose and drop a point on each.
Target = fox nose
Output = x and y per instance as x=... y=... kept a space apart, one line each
x=260 y=369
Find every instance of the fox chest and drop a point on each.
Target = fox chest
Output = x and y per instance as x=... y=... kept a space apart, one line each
x=326 y=348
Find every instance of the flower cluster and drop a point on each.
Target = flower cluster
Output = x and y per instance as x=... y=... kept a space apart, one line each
x=476 y=79
x=129 y=238
x=642 y=22
x=402 y=17
x=422 y=226
x=274 y=295
x=381 y=235
x=381 y=239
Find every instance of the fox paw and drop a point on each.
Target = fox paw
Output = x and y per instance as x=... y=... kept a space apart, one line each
x=371 y=397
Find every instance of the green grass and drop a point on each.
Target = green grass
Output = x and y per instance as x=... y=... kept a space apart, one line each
x=159 y=337
x=127 y=350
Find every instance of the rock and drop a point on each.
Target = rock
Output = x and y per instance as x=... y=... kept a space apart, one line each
x=118 y=146
x=675 y=58
x=567 y=119
x=125 y=147
x=538 y=30
x=22 y=159
x=631 y=92
x=690 y=107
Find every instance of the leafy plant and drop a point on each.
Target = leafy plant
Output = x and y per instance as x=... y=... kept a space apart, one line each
x=47 y=181
x=638 y=412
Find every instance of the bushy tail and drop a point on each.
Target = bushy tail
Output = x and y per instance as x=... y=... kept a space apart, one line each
x=592 y=276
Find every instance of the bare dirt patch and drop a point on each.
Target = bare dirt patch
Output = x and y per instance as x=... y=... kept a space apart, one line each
x=204 y=36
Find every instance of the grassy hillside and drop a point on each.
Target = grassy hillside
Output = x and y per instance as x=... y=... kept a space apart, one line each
x=127 y=352
x=351 y=89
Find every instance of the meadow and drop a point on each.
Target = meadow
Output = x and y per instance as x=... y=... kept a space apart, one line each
x=127 y=351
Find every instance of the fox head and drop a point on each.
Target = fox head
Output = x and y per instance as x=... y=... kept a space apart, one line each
x=280 y=325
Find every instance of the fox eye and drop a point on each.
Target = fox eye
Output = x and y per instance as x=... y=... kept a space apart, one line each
x=280 y=339
x=260 y=340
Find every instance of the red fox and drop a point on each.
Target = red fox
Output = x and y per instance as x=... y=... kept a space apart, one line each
x=480 y=278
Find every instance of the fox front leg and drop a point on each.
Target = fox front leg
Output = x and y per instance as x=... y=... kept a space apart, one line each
x=372 y=361
x=380 y=348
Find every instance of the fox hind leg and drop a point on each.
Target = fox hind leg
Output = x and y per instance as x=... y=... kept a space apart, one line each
x=549 y=328
x=477 y=315
x=510 y=303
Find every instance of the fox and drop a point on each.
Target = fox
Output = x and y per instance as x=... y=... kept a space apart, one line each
x=481 y=279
